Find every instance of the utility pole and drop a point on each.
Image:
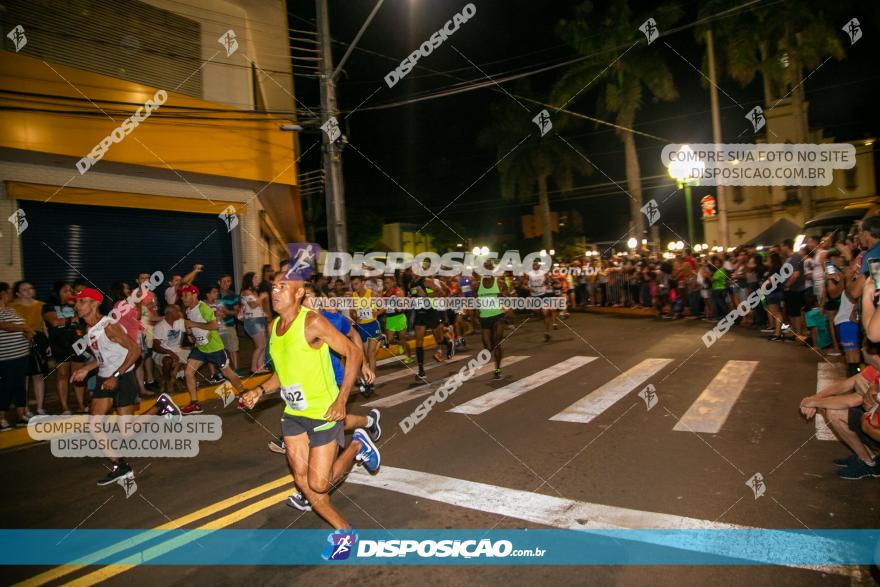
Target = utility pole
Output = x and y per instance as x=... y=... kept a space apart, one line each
x=716 y=138
x=337 y=237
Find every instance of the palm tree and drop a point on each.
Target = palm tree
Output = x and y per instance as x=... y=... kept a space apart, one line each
x=620 y=78
x=528 y=160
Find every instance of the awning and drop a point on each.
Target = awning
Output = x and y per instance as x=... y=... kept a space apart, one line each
x=776 y=233
x=90 y=197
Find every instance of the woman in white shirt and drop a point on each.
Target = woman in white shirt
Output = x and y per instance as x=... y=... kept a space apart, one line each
x=254 y=319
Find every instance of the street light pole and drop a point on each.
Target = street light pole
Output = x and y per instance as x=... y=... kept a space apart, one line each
x=690 y=212
x=337 y=237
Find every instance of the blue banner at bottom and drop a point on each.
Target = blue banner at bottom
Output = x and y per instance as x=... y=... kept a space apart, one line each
x=437 y=547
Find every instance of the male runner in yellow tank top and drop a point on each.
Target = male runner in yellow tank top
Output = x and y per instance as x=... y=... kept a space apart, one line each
x=300 y=343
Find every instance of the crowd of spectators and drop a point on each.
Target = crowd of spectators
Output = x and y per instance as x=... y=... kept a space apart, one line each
x=821 y=295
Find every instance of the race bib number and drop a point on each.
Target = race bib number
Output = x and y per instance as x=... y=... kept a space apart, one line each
x=200 y=337
x=294 y=397
x=364 y=314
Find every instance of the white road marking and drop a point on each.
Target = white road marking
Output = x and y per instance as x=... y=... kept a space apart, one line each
x=826 y=374
x=709 y=412
x=559 y=512
x=593 y=404
x=495 y=398
x=428 y=388
x=389 y=360
x=410 y=371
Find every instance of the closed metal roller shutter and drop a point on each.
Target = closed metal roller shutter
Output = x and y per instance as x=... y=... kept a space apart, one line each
x=103 y=245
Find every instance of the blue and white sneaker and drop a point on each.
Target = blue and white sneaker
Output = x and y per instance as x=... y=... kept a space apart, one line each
x=368 y=454
x=298 y=501
x=373 y=428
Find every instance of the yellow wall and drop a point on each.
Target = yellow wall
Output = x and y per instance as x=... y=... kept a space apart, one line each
x=251 y=147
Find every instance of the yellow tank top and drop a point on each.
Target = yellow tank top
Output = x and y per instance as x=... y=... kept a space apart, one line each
x=364 y=307
x=308 y=385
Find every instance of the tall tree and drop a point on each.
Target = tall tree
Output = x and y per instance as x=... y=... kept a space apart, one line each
x=528 y=160
x=620 y=76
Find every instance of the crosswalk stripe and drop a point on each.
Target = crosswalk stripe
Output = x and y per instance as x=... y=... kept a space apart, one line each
x=709 y=412
x=558 y=512
x=410 y=371
x=826 y=374
x=428 y=388
x=593 y=404
x=524 y=505
x=487 y=401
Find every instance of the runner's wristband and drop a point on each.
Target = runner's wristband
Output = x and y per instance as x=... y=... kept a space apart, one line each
x=115 y=375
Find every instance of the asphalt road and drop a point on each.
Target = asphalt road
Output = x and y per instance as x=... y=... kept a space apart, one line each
x=625 y=464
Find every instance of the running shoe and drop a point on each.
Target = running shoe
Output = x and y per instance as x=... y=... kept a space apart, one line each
x=849 y=461
x=383 y=341
x=166 y=406
x=421 y=374
x=117 y=472
x=546 y=337
x=366 y=389
x=152 y=385
x=192 y=408
x=438 y=356
x=4 y=426
x=463 y=343
x=450 y=349
x=217 y=378
x=776 y=338
x=277 y=446
x=860 y=470
x=373 y=424
x=22 y=422
x=497 y=374
x=41 y=412
x=368 y=454
x=298 y=501
x=408 y=360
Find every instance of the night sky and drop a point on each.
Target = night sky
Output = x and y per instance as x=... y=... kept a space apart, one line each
x=430 y=148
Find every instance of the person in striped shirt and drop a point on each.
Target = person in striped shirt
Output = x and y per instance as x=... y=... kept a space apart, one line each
x=15 y=348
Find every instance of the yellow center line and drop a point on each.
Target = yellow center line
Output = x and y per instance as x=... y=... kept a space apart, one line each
x=158 y=550
x=63 y=570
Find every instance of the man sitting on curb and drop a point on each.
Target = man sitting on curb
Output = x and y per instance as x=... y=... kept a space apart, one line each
x=845 y=404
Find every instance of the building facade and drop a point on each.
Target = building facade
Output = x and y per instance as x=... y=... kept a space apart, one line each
x=753 y=209
x=144 y=136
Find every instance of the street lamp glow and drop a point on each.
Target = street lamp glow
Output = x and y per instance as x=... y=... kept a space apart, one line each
x=697 y=248
x=484 y=250
x=644 y=241
x=476 y=250
x=631 y=243
x=552 y=252
x=685 y=167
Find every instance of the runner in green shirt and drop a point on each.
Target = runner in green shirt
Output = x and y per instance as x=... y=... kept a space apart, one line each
x=312 y=425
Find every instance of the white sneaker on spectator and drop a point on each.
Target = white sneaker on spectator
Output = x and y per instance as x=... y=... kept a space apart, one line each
x=65 y=413
x=41 y=412
x=768 y=330
x=833 y=353
x=4 y=426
